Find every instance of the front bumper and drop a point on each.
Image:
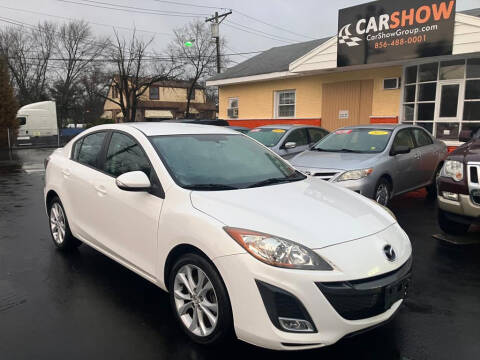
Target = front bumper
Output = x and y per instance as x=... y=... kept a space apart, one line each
x=464 y=206
x=364 y=186
x=242 y=272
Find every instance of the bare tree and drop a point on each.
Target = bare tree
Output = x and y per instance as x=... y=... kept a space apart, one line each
x=77 y=50
x=28 y=52
x=199 y=59
x=135 y=71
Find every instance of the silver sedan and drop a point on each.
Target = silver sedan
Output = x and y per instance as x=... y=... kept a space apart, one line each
x=288 y=140
x=378 y=161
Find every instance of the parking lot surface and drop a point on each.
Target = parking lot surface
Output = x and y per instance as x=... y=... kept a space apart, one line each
x=85 y=306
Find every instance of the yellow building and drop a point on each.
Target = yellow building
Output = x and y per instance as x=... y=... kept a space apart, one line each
x=301 y=83
x=163 y=100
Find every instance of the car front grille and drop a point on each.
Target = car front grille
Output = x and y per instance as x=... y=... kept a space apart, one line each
x=361 y=299
x=473 y=181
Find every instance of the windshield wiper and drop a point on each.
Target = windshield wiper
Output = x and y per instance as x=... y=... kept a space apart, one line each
x=294 y=177
x=348 y=150
x=212 y=187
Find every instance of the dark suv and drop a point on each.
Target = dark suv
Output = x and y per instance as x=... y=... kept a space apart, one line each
x=459 y=186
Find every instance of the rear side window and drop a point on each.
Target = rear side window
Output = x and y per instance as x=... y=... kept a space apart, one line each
x=298 y=136
x=124 y=154
x=404 y=138
x=422 y=138
x=90 y=149
x=316 y=134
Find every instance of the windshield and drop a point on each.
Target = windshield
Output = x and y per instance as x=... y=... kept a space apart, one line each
x=366 y=140
x=267 y=136
x=221 y=162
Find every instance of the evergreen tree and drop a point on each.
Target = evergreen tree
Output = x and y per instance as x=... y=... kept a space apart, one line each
x=8 y=104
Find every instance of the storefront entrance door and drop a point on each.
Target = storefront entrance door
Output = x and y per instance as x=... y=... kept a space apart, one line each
x=449 y=108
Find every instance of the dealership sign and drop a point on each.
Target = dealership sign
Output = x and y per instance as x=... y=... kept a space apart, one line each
x=389 y=30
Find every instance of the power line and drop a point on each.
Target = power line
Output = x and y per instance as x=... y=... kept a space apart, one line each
x=89 y=22
x=274 y=26
x=254 y=33
x=189 y=4
x=130 y=9
x=262 y=32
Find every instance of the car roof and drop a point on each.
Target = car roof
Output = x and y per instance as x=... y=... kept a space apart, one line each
x=161 y=128
x=378 y=126
x=285 y=126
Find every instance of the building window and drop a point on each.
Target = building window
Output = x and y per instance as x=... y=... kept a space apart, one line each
x=285 y=104
x=232 y=110
x=443 y=97
x=153 y=93
x=115 y=92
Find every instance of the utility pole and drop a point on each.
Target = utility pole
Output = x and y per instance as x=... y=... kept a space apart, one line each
x=216 y=20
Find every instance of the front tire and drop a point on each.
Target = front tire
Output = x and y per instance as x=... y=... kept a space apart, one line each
x=200 y=300
x=449 y=226
x=59 y=228
x=382 y=192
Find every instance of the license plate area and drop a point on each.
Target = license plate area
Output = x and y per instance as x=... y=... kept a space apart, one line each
x=396 y=291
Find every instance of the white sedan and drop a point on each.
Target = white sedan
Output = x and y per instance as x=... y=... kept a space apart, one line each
x=243 y=243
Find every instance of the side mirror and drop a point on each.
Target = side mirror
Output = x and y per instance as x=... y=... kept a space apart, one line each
x=465 y=135
x=133 y=181
x=290 y=145
x=399 y=149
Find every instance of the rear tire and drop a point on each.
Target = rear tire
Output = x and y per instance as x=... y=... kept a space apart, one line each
x=200 y=300
x=449 y=226
x=432 y=188
x=59 y=228
x=382 y=192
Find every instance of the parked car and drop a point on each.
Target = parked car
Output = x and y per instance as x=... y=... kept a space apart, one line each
x=216 y=122
x=288 y=140
x=459 y=187
x=230 y=230
x=378 y=161
x=241 y=129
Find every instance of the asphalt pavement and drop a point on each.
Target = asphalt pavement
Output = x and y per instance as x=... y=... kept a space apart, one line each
x=85 y=306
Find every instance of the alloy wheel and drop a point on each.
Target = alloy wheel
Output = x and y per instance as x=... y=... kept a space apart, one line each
x=382 y=194
x=195 y=300
x=57 y=223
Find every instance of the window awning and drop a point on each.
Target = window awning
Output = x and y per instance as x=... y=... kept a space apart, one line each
x=158 y=114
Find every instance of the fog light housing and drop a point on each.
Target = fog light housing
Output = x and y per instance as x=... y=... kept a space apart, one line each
x=296 y=325
x=450 y=196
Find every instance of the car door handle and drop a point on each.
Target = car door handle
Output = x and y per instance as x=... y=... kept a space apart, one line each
x=66 y=173
x=101 y=190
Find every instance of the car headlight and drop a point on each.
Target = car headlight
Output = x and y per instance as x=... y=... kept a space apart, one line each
x=390 y=212
x=276 y=251
x=355 y=174
x=453 y=169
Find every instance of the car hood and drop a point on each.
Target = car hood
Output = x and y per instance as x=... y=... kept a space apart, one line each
x=311 y=212
x=469 y=151
x=334 y=160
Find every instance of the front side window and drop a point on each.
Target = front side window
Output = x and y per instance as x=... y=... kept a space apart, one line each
x=153 y=93
x=124 y=154
x=285 y=103
x=422 y=138
x=267 y=136
x=90 y=149
x=22 y=120
x=404 y=138
x=298 y=136
x=360 y=140
x=221 y=162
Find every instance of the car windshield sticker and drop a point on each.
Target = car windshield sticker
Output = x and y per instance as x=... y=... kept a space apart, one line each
x=343 y=132
x=378 y=132
x=278 y=130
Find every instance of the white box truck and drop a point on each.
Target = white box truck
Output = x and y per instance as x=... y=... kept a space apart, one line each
x=38 y=122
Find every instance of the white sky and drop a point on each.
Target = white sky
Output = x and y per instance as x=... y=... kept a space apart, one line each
x=310 y=18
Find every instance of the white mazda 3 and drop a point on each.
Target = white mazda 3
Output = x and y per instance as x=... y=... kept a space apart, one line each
x=243 y=243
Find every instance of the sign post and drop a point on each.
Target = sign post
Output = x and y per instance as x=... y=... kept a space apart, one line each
x=386 y=30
